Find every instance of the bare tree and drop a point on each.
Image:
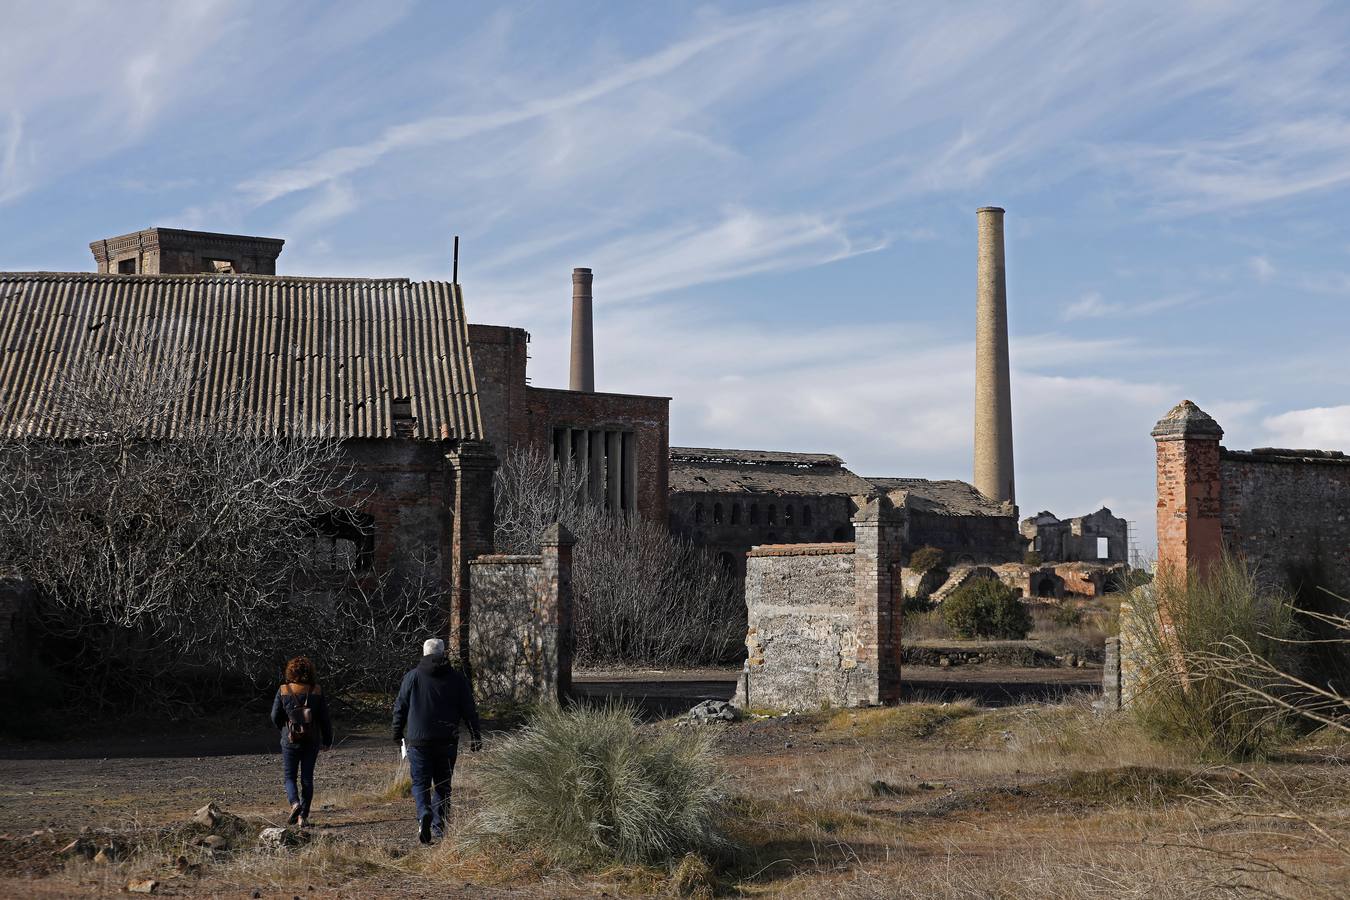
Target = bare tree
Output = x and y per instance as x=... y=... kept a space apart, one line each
x=641 y=595
x=160 y=541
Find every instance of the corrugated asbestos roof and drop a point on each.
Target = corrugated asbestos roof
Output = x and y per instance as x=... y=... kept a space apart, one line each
x=754 y=457
x=944 y=497
x=702 y=470
x=306 y=356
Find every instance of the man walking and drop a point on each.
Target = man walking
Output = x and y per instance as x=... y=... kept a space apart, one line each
x=432 y=699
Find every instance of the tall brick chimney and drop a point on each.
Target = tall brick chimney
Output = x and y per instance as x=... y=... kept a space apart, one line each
x=993 y=393
x=1190 y=534
x=583 y=339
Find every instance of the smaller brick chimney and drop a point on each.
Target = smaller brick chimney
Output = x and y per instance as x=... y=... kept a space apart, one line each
x=1190 y=534
x=583 y=340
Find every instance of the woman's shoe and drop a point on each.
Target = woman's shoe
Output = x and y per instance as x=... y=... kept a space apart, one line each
x=304 y=821
x=295 y=815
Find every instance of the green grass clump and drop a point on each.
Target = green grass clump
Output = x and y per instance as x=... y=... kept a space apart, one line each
x=1192 y=637
x=589 y=786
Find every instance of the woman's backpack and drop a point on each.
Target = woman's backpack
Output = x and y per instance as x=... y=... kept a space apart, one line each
x=300 y=724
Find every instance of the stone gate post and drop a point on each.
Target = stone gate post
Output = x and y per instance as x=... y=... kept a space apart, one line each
x=554 y=611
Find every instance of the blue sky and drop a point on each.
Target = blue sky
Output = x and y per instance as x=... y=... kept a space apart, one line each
x=778 y=201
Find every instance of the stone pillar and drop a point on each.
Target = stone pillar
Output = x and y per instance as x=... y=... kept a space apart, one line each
x=876 y=559
x=993 y=392
x=472 y=464
x=1190 y=536
x=1111 y=699
x=554 y=610
x=583 y=346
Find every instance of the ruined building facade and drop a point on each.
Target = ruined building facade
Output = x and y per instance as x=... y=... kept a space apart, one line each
x=733 y=500
x=1098 y=537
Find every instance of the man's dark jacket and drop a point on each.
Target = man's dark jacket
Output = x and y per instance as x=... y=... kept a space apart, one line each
x=431 y=700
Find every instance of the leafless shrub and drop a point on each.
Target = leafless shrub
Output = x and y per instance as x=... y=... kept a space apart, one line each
x=641 y=594
x=160 y=542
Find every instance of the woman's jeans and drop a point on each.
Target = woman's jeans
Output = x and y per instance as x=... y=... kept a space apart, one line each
x=299 y=757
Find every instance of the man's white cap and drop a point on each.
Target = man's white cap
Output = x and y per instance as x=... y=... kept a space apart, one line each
x=433 y=646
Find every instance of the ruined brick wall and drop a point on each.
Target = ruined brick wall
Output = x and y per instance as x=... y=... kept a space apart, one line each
x=968 y=540
x=730 y=524
x=646 y=418
x=430 y=505
x=500 y=356
x=520 y=624
x=1287 y=512
x=803 y=636
x=824 y=619
x=173 y=251
x=405 y=487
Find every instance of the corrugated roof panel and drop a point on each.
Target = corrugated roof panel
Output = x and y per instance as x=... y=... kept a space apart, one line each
x=310 y=356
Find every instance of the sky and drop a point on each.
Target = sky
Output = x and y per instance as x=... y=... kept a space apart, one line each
x=778 y=201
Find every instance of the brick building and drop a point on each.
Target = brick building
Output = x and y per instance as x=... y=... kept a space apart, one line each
x=380 y=364
x=733 y=500
x=622 y=441
x=423 y=403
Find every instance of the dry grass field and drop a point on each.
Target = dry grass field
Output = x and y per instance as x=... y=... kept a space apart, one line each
x=943 y=800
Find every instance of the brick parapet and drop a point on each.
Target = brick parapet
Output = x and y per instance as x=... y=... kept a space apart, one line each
x=801 y=549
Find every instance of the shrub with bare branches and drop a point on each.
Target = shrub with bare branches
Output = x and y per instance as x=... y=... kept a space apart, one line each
x=193 y=548
x=641 y=594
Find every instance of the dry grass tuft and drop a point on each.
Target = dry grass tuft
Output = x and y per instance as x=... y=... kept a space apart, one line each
x=908 y=720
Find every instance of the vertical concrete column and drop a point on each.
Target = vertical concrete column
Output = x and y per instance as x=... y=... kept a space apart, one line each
x=629 y=466
x=471 y=465
x=596 y=476
x=555 y=611
x=583 y=341
x=1190 y=533
x=613 y=470
x=876 y=555
x=993 y=391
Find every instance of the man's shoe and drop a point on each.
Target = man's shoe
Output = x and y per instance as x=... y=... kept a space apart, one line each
x=295 y=815
x=424 y=829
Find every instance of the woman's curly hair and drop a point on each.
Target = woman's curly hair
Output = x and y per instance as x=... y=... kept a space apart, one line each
x=300 y=671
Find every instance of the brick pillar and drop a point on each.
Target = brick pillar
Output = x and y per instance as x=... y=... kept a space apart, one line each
x=472 y=465
x=554 y=610
x=1190 y=536
x=878 y=530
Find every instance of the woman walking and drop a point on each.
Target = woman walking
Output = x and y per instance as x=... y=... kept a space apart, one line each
x=301 y=712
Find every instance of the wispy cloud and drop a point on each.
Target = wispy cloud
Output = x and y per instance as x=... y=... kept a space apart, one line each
x=12 y=183
x=1093 y=305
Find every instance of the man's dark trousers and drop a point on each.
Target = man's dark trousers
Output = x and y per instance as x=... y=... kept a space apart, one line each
x=433 y=766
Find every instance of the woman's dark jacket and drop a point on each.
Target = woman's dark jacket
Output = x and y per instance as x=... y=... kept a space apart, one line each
x=286 y=708
x=431 y=701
